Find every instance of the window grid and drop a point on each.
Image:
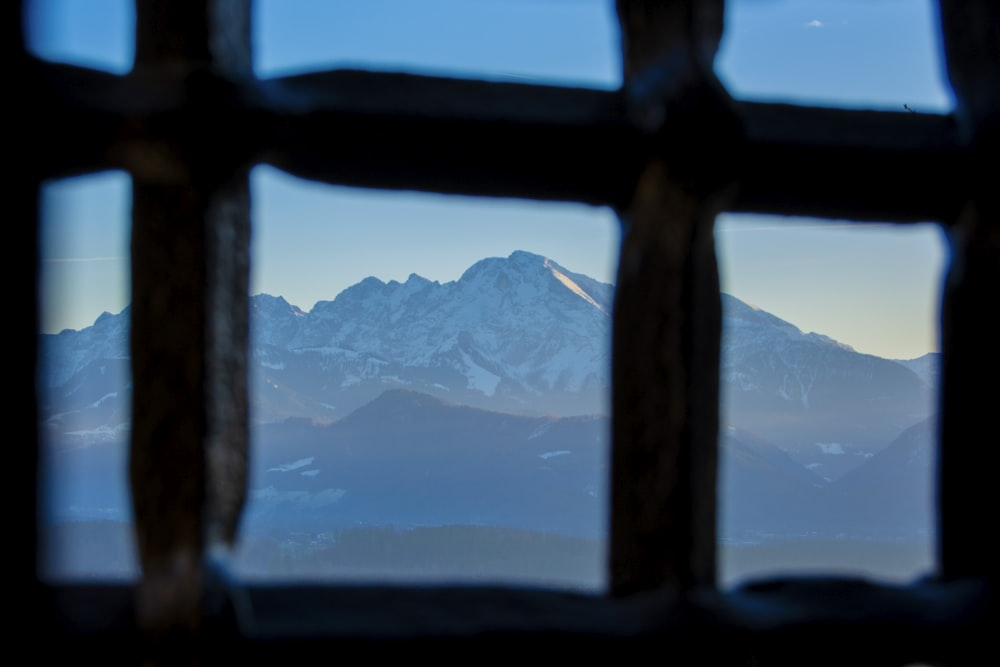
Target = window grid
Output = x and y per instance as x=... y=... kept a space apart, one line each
x=668 y=152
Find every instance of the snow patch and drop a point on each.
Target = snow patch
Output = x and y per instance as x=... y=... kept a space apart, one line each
x=480 y=379
x=573 y=287
x=540 y=430
x=285 y=467
x=271 y=496
x=834 y=448
x=106 y=397
x=102 y=433
x=324 y=498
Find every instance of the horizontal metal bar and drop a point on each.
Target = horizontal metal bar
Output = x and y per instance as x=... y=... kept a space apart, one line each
x=404 y=131
x=452 y=136
x=852 y=164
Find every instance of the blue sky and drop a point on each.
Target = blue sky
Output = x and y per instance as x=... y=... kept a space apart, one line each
x=872 y=287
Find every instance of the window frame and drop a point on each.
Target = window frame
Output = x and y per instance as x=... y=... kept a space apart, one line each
x=668 y=151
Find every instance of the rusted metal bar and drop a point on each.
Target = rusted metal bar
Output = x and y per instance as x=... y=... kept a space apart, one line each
x=23 y=183
x=189 y=320
x=387 y=130
x=182 y=35
x=878 y=166
x=452 y=136
x=667 y=318
x=971 y=360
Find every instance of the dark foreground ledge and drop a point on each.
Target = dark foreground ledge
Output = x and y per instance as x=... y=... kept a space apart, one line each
x=791 y=621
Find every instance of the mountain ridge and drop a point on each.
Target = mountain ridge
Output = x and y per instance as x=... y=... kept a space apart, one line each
x=520 y=334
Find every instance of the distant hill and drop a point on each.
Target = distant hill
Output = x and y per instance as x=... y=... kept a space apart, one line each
x=927 y=367
x=828 y=406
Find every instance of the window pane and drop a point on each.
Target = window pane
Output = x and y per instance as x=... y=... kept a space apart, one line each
x=97 y=33
x=829 y=389
x=430 y=387
x=520 y=40
x=878 y=55
x=84 y=378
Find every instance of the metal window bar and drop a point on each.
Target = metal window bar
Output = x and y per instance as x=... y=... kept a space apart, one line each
x=668 y=151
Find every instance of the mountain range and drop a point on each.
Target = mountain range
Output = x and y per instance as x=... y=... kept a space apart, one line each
x=485 y=401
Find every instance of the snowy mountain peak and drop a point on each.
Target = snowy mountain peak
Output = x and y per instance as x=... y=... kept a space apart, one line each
x=103 y=318
x=739 y=313
x=418 y=280
x=265 y=303
x=521 y=263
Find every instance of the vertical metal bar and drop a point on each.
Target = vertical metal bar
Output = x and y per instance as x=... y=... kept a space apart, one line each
x=201 y=32
x=971 y=363
x=169 y=423
x=190 y=277
x=667 y=319
x=22 y=192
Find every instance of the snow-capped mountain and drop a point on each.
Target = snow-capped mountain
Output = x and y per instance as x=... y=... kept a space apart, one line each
x=519 y=334
x=69 y=352
x=85 y=380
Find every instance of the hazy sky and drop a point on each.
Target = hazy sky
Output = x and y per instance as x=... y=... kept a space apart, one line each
x=872 y=287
